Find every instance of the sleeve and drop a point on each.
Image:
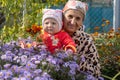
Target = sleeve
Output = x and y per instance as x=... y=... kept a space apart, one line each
x=89 y=59
x=68 y=42
x=93 y=56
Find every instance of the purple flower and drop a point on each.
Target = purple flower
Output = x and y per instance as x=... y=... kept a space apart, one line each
x=30 y=65
x=5 y=74
x=45 y=74
x=61 y=55
x=15 y=78
x=5 y=47
x=73 y=65
x=82 y=58
x=27 y=53
x=49 y=58
x=16 y=69
x=90 y=77
x=16 y=59
x=37 y=71
x=37 y=62
x=75 y=58
x=8 y=74
x=66 y=64
x=7 y=66
x=44 y=63
x=24 y=59
x=54 y=61
x=44 y=55
x=27 y=74
x=2 y=74
x=37 y=78
x=8 y=56
x=23 y=78
x=72 y=72
x=4 y=57
x=22 y=51
x=57 y=67
x=16 y=51
x=36 y=59
x=101 y=78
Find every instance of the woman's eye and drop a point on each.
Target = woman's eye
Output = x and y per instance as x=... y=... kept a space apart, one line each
x=70 y=16
x=77 y=18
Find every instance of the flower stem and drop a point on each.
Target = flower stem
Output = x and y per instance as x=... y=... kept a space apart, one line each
x=116 y=76
x=107 y=77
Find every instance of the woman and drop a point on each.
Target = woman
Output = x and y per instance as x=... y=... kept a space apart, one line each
x=74 y=13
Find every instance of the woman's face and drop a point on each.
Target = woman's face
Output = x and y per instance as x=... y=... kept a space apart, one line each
x=73 y=19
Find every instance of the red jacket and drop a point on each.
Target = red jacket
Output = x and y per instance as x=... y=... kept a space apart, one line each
x=60 y=40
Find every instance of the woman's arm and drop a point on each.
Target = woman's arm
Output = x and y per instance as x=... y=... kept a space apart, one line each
x=89 y=58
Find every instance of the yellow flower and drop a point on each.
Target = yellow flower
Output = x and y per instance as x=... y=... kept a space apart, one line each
x=112 y=30
x=119 y=29
x=110 y=44
x=28 y=64
x=106 y=61
x=110 y=36
x=117 y=33
x=103 y=48
x=96 y=28
x=36 y=28
x=103 y=25
x=107 y=22
x=62 y=0
x=56 y=1
x=95 y=34
x=28 y=45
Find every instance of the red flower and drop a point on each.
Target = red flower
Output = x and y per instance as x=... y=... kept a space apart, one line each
x=34 y=29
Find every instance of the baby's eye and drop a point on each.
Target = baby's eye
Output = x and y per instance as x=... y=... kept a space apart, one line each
x=53 y=23
x=46 y=22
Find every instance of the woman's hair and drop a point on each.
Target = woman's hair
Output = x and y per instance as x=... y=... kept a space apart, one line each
x=76 y=5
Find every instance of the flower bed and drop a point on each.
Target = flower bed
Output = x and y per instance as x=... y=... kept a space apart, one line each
x=36 y=63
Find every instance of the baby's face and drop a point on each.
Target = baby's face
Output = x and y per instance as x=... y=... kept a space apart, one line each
x=50 y=26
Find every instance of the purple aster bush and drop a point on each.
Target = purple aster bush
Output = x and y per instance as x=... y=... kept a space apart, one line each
x=29 y=62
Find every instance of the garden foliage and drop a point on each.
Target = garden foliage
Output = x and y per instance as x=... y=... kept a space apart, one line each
x=108 y=46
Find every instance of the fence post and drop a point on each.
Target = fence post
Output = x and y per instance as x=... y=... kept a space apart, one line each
x=116 y=15
x=24 y=13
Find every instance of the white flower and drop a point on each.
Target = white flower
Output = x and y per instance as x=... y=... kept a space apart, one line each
x=3 y=57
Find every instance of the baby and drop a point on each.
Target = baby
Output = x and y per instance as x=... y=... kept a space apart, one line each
x=53 y=36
